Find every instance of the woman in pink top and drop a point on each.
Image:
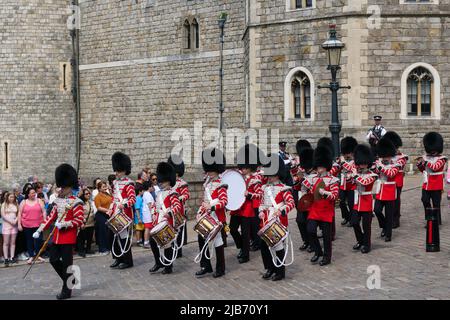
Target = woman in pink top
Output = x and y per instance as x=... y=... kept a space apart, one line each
x=31 y=215
x=9 y=211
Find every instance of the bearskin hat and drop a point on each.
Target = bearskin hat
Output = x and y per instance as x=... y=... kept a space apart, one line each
x=385 y=148
x=326 y=142
x=363 y=155
x=395 y=138
x=249 y=156
x=302 y=144
x=66 y=176
x=323 y=158
x=275 y=166
x=121 y=162
x=213 y=160
x=178 y=164
x=166 y=172
x=348 y=144
x=306 y=158
x=433 y=142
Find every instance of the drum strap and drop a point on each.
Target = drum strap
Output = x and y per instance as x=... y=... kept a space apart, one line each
x=276 y=261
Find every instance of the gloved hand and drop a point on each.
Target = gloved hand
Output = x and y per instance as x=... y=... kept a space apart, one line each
x=60 y=225
x=36 y=235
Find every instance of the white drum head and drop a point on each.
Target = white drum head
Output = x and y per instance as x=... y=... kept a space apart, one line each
x=158 y=227
x=236 y=189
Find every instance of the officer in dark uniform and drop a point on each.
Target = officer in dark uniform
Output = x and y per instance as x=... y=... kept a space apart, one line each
x=375 y=133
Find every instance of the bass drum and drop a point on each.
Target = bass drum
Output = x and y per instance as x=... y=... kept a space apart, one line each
x=236 y=189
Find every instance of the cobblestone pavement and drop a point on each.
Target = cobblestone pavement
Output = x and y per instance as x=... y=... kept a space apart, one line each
x=407 y=271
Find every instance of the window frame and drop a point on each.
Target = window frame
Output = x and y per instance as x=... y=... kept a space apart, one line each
x=291 y=5
x=289 y=99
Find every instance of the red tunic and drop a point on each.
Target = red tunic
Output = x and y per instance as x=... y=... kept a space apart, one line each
x=282 y=197
x=123 y=192
x=172 y=204
x=344 y=169
x=400 y=159
x=219 y=196
x=75 y=218
x=254 y=189
x=181 y=187
x=433 y=172
x=387 y=184
x=363 y=192
x=323 y=209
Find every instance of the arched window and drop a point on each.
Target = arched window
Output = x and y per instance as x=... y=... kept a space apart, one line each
x=299 y=95
x=196 y=34
x=420 y=92
x=187 y=34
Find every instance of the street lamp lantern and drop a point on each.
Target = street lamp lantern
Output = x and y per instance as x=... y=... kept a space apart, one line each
x=333 y=48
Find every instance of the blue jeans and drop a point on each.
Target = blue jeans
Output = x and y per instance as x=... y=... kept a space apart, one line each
x=101 y=232
x=33 y=245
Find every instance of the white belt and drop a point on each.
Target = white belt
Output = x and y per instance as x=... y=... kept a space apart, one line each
x=388 y=182
x=365 y=193
x=435 y=173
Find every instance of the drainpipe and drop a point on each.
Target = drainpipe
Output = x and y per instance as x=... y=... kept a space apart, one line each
x=75 y=62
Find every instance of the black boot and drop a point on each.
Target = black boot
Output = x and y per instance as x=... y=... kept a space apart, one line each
x=203 y=271
x=365 y=249
x=268 y=274
x=64 y=294
x=357 y=246
x=155 y=268
x=179 y=253
x=167 y=270
x=304 y=247
x=325 y=261
x=278 y=276
x=316 y=257
x=115 y=264
x=243 y=259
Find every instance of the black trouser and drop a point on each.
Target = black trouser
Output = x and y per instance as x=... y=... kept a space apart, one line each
x=168 y=253
x=327 y=236
x=127 y=257
x=347 y=198
x=268 y=261
x=84 y=239
x=254 y=228
x=302 y=222
x=102 y=232
x=61 y=258
x=385 y=221
x=397 y=207
x=220 y=255
x=242 y=239
x=435 y=197
x=362 y=236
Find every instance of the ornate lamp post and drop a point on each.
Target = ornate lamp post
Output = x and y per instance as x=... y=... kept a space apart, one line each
x=334 y=47
x=222 y=20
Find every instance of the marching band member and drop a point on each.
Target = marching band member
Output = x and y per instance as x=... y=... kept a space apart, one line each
x=247 y=161
x=321 y=213
x=306 y=171
x=214 y=201
x=167 y=204
x=344 y=167
x=386 y=192
x=182 y=188
x=69 y=216
x=401 y=160
x=124 y=199
x=432 y=165
x=296 y=168
x=277 y=202
x=363 y=207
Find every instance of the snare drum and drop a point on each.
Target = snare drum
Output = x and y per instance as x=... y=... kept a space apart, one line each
x=207 y=226
x=163 y=234
x=178 y=220
x=273 y=232
x=118 y=222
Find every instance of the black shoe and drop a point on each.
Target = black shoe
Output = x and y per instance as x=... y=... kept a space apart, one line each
x=218 y=274
x=365 y=249
x=316 y=258
x=124 y=265
x=304 y=247
x=64 y=294
x=90 y=252
x=167 y=270
x=277 y=277
x=179 y=254
x=82 y=254
x=383 y=233
x=13 y=260
x=395 y=225
x=240 y=254
x=155 y=268
x=357 y=246
x=324 y=261
x=268 y=274
x=6 y=262
x=344 y=222
x=202 y=272
x=254 y=248
x=243 y=259
x=115 y=264
x=387 y=239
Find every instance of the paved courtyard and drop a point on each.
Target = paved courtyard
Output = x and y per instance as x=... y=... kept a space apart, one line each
x=406 y=270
